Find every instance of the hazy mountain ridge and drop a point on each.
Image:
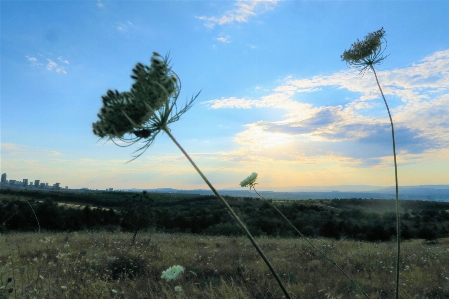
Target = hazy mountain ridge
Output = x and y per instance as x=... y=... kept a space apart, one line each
x=422 y=192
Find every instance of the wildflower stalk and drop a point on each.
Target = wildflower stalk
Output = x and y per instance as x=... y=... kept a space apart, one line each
x=146 y=110
x=252 y=186
x=365 y=54
x=398 y=236
x=38 y=224
x=231 y=211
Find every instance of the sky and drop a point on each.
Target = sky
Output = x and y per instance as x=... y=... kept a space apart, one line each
x=275 y=99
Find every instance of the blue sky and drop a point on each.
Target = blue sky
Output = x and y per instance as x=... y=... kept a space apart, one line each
x=275 y=96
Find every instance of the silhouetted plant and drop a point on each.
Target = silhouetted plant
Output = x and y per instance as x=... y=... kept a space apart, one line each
x=250 y=182
x=365 y=55
x=146 y=110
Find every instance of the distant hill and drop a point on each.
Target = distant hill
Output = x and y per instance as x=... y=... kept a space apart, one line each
x=422 y=192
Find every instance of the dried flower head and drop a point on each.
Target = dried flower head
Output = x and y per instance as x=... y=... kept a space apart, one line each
x=249 y=181
x=172 y=273
x=368 y=52
x=146 y=109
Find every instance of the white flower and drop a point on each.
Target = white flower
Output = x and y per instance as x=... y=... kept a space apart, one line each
x=172 y=273
x=178 y=289
x=249 y=181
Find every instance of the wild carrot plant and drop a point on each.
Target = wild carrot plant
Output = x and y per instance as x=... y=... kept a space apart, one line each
x=365 y=55
x=146 y=110
x=250 y=182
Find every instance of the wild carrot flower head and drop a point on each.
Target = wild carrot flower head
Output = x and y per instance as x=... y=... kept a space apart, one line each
x=147 y=108
x=249 y=181
x=172 y=273
x=122 y=112
x=367 y=52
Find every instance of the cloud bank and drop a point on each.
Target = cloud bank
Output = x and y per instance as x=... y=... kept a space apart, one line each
x=357 y=132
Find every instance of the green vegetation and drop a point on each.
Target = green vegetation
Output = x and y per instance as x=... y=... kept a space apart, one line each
x=103 y=265
x=355 y=219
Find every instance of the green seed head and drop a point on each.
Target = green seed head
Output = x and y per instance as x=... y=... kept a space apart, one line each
x=366 y=52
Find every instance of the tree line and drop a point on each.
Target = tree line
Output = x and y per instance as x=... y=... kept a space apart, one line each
x=350 y=219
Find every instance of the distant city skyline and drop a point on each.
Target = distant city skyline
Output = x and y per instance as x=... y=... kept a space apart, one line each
x=25 y=183
x=275 y=98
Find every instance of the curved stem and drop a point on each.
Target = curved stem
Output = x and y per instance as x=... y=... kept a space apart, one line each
x=314 y=247
x=231 y=211
x=398 y=233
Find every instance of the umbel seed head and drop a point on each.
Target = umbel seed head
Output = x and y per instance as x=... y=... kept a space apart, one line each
x=367 y=52
x=126 y=112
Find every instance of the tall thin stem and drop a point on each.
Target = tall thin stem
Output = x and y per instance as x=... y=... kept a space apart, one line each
x=231 y=211
x=398 y=233
x=314 y=247
x=38 y=224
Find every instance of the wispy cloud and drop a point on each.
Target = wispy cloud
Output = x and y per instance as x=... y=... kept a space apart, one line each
x=11 y=149
x=50 y=64
x=63 y=60
x=224 y=39
x=124 y=26
x=354 y=131
x=241 y=13
x=53 y=66
x=100 y=4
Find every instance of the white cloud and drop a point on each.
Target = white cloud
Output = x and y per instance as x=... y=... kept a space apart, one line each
x=224 y=39
x=33 y=60
x=53 y=66
x=100 y=4
x=63 y=60
x=353 y=130
x=50 y=65
x=124 y=26
x=242 y=12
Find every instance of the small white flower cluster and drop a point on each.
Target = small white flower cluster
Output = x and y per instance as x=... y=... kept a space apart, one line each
x=172 y=273
x=178 y=289
x=250 y=180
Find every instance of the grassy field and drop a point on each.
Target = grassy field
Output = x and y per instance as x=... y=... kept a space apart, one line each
x=103 y=265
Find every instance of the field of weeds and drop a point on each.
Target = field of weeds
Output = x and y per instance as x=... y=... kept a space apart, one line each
x=104 y=265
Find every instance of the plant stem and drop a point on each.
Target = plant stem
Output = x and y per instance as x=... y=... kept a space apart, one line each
x=231 y=211
x=38 y=224
x=398 y=234
x=308 y=241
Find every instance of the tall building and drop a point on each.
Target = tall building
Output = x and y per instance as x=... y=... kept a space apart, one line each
x=36 y=183
x=4 y=178
x=25 y=182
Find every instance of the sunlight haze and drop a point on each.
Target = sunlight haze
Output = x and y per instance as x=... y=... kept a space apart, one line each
x=275 y=98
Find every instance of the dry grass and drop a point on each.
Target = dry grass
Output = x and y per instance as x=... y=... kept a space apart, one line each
x=102 y=265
